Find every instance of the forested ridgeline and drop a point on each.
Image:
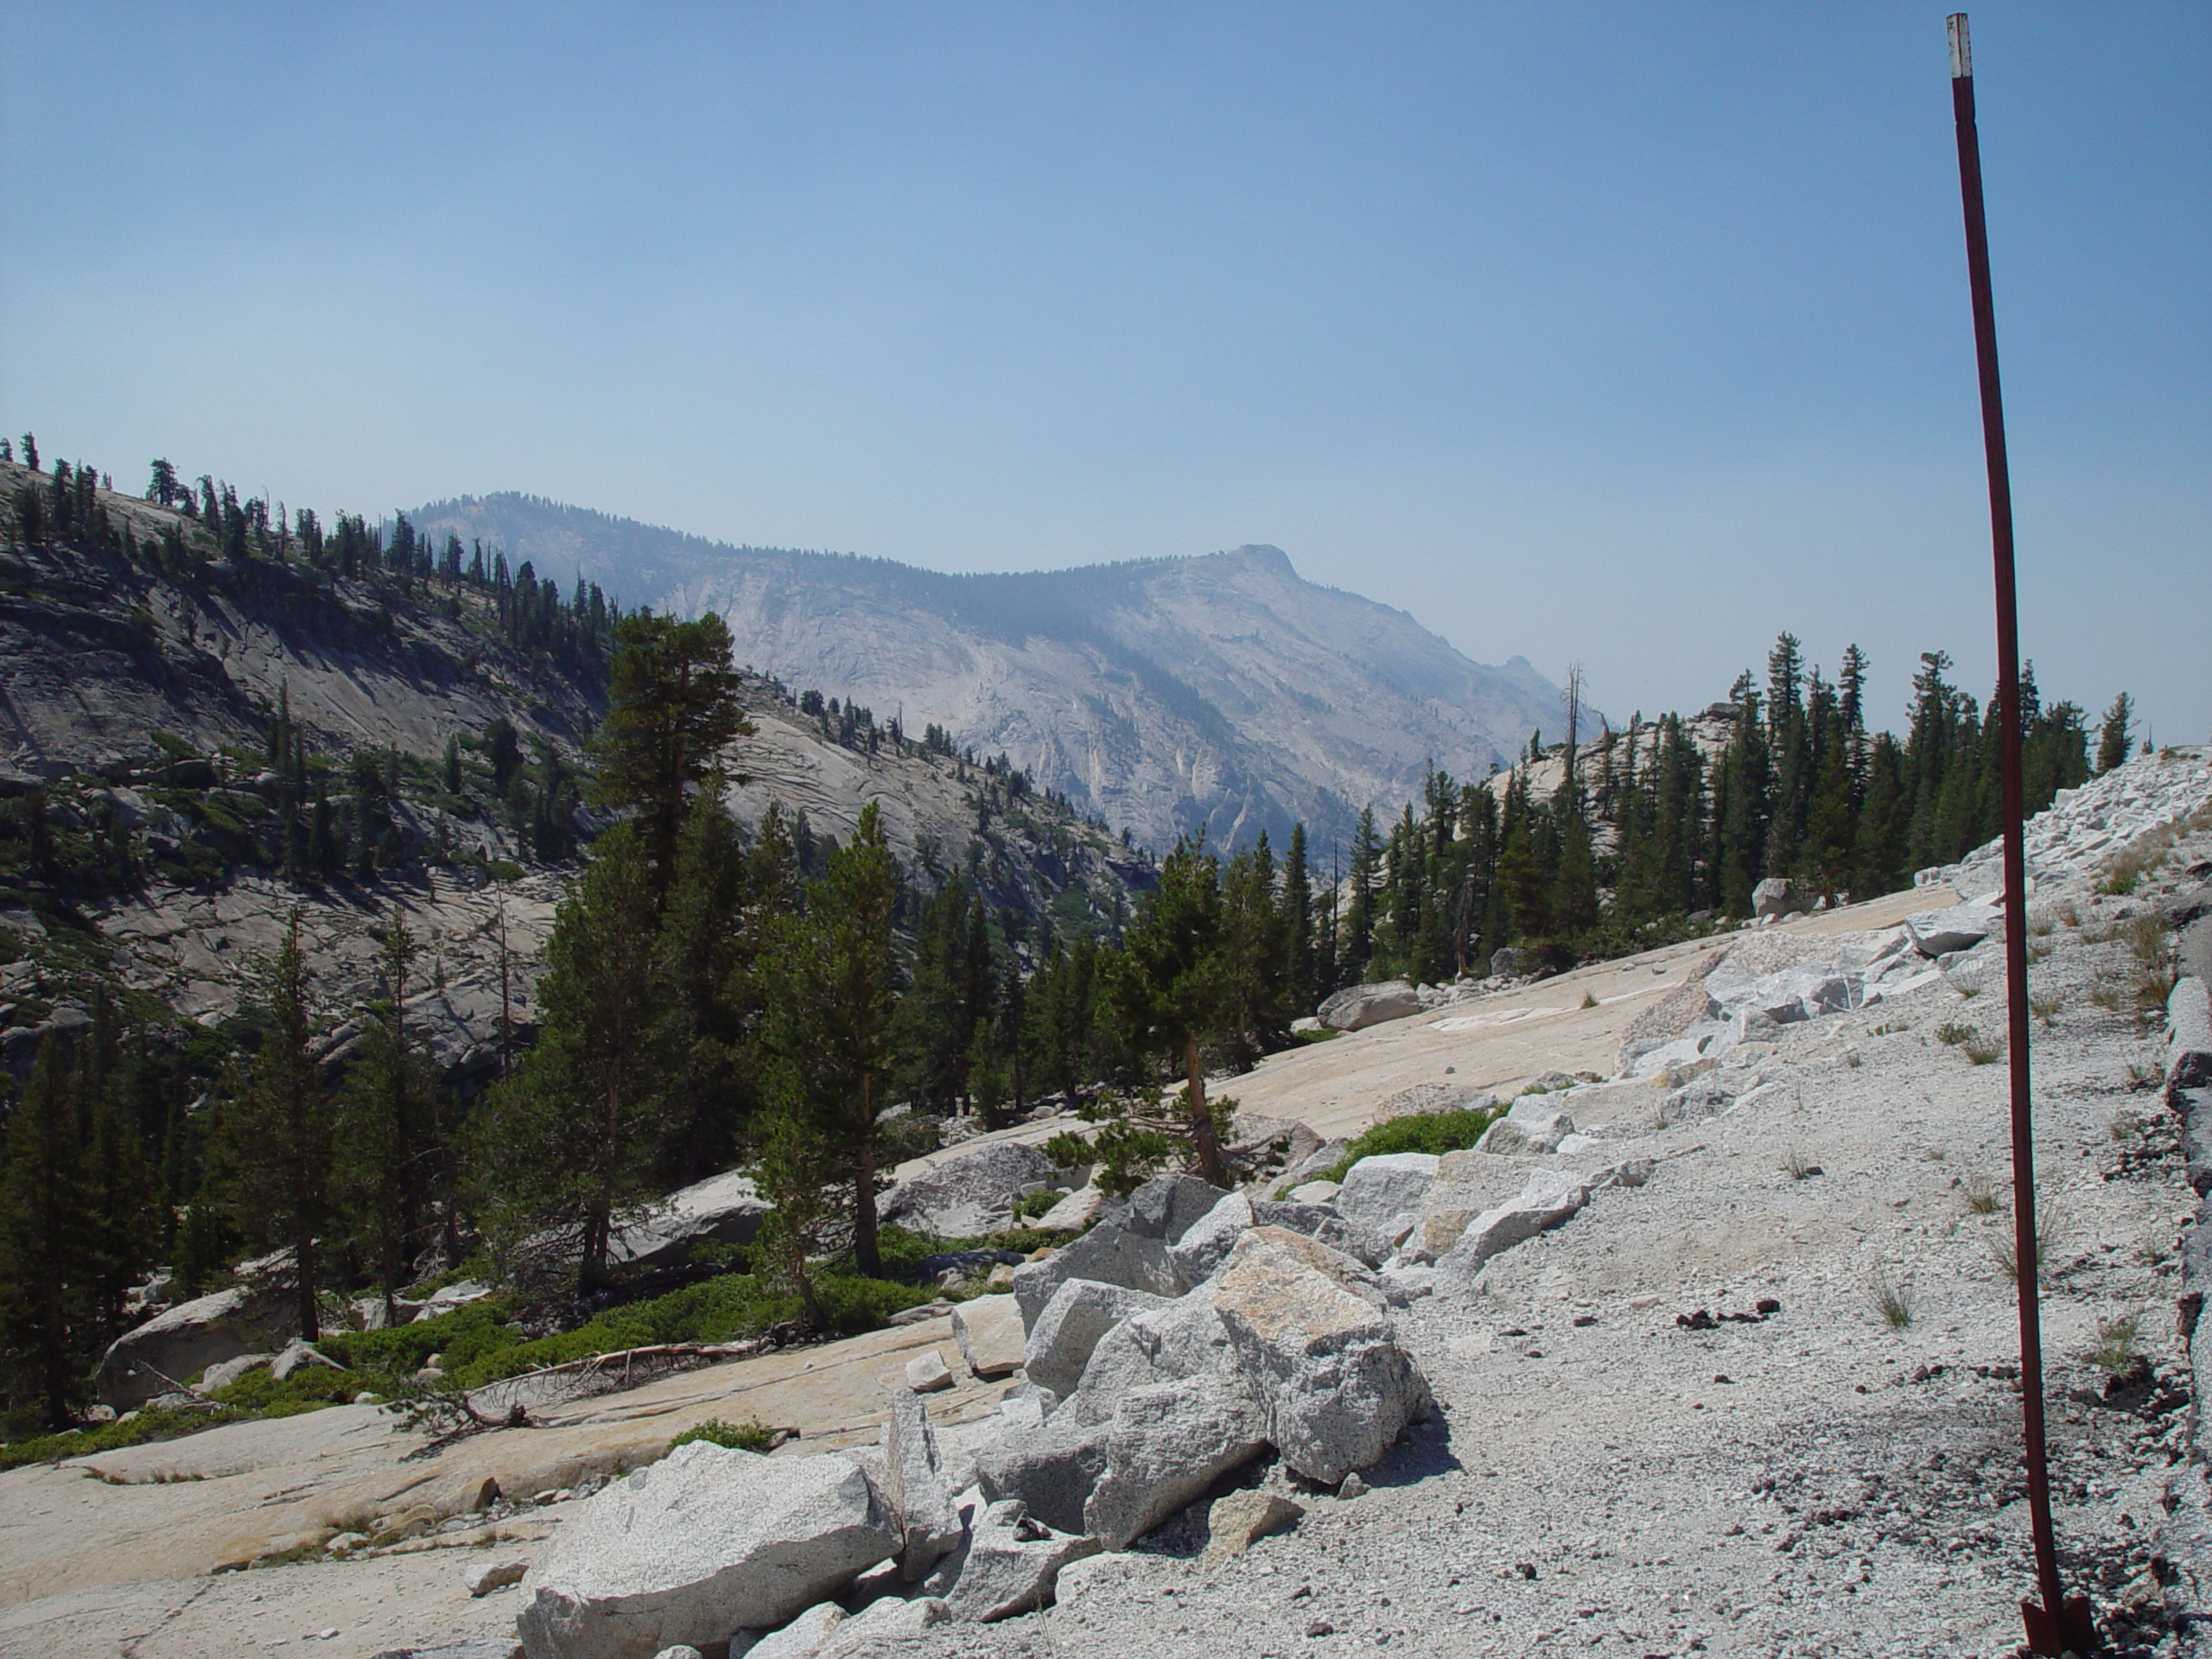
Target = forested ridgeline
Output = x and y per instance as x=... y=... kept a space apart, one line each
x=1591 y=848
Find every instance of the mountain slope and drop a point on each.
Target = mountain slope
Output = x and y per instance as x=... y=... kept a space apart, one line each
x=146 y=675
x=1223 y=691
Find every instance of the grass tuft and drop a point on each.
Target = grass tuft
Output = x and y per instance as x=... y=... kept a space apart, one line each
x=2117 y=1345
x=2148 y=940
x=2007 y=1258
x=1892 y=1302
x=1981 y=1195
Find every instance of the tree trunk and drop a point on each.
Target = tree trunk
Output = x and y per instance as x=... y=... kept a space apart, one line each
x=304 y=1268
x=865 y=1257
x=1203 y=1139
x=593 y=1266
x=54 y=1353
x=808 y=1297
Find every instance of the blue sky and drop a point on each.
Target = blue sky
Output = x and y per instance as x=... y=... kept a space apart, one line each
x=1629 y=334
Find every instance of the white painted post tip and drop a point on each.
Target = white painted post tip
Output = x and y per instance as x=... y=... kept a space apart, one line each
x=1961 y=50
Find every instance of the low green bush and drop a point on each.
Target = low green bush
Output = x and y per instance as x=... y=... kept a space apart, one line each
x=144 y=1426
x=1033 y=1205
x=466 y=1334
x=309 y=1389
x=747 y=1436
x=1432 y=1132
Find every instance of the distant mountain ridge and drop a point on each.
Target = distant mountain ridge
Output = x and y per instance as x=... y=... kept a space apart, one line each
x=1221 y=691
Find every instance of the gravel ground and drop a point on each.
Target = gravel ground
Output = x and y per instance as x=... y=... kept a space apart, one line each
x=1605 y=1477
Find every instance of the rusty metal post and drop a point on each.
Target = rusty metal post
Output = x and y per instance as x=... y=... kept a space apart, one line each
x=2055 y=1625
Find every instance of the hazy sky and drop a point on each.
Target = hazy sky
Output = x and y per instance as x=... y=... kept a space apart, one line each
x=1624 y=333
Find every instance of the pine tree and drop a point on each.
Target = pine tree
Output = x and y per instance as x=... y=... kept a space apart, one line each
x=118 y=1238
x=828 y=1034
x=1574 y=886
x=2111 y=735
x=1830 y=828
x=569 y=1142
x=936 y=1029
x=1299 y=967
x=710 y=937
x=387 y=1144
x=43 y=1308
x=279 y=1131
x=1880 y=845
x=1169 y=987
x=1257 y=1011
x=672 y=709
x=1359 y=910
x=1741 y=811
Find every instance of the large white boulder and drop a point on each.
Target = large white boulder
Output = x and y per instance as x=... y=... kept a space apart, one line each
x=1013 y=1561
x=1382 y=1196
x=1081 y=1312
x=801 y=1639
x=1106 y=1255
x=705 y=1543
x=1776 y=898
x=1939 y=932
x=2189 y=1034
x=1467 y=1183
x=723 y=1209
x=914 y=1481
x=297 y=1356
x=1073 y=1213
x=1550 y=1198
x=1357 y=1007
x=225 y=1372
x=967 y=1195
x=185 y=1341
x=1207 y=1243
x=1534 y=1123
x=887 y=1627
x=1176 y=1340
x=1165 y=1207
x=1319 y=1352
x=989 y=1331
x=1167 y=1444
x=1052 y=1468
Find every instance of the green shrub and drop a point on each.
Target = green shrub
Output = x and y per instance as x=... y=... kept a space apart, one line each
x=145 y=1426
x=750 y=1435
x=309 y=1389
x=1434 y=1132
x=466 y=1334
x=1032 y=1204
x=728 y=1307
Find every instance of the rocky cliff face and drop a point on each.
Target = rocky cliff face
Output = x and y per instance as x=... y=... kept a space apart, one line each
x=1223 y=691
x=98 y=652
x=138 y=684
